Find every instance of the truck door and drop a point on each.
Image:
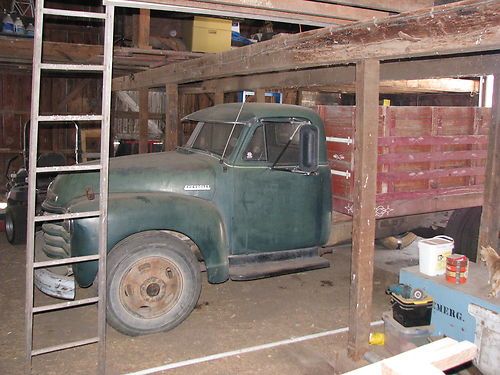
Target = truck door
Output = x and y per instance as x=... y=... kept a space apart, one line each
x=274 y=209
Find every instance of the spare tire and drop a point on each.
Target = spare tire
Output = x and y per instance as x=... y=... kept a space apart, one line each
x=399 y=241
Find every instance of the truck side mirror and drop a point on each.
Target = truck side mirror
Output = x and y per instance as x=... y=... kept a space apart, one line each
x=308 y=161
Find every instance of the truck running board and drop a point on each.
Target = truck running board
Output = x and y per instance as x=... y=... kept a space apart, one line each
x=262 y=265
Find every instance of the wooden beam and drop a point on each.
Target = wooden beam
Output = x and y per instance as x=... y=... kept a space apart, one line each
x=173 y=129
x=61 y=106
x=445 y=30
x=302 y=12
x=490 y=219
x=260 y=95
x=474 y=65
x=365 y=186
x=140 y=30
x=218 y=97
x=143 y=120
x=389 y=6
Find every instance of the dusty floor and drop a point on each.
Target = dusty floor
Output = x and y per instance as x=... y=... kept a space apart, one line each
x=229 y=316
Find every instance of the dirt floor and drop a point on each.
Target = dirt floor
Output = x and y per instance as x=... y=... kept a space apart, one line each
x=229 y=316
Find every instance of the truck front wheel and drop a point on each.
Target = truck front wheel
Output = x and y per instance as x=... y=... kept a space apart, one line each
x=154 y=283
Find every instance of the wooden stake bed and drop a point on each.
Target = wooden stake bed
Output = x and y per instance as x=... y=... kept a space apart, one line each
x=429 y=158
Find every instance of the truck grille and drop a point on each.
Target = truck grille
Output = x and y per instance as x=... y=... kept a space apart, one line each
x=56 y=240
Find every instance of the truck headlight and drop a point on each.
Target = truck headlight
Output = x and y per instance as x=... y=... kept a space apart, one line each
x=50 y=193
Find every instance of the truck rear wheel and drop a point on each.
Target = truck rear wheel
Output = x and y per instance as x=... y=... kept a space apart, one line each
x=15 y=224
x=154 y=283
x=463 y=227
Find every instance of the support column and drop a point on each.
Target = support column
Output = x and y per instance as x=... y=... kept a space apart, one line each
x=365 y=185
x=490 y=219
x=173 y=130
x=218 y=97
x=140 y=32
x=260 y=95
x=143 y=120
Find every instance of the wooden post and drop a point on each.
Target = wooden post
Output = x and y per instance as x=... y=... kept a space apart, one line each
x=490 y=219
x=260 y=95
x=218 y=97
x=140 y=32
x=365 y=185
x=173 y=130
x=143 y=120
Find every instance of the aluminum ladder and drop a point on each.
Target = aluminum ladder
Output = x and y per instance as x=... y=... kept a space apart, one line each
x=104 y=118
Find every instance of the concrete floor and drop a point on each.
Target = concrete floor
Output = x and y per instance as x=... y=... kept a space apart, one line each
x=229 y=316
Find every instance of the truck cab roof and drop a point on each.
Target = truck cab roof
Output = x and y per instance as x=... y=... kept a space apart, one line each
x=246 y=112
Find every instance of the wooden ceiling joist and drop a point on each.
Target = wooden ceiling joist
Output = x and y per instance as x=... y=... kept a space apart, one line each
x=453 y=29
x=469 y=66
x=388 y=6
x=290 y=11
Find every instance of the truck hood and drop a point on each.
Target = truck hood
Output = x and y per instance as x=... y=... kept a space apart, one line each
x=180 y=172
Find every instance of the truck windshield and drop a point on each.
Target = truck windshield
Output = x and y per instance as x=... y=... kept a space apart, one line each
x=213 y=137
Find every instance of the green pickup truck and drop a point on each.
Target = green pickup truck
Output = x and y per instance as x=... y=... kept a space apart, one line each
x=247 y=197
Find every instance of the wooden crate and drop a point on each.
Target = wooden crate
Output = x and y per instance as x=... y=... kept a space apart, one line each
x=429 y=158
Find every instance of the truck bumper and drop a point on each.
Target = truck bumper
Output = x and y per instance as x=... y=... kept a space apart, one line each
x=53 y=281
x=55 y=285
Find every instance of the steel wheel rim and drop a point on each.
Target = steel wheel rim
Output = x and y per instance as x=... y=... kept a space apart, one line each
x=151 y=287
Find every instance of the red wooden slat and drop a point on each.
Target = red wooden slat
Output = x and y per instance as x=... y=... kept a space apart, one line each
x=431 y=156
x=436 y=140
x=437 y=173
x=429 y=193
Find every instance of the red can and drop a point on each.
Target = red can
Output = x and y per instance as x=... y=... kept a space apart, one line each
x=457 y=268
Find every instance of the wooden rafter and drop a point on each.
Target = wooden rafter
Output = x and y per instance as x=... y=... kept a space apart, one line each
x=388 y=6
x=337 y=76
x=290 y=11
x=458 y=28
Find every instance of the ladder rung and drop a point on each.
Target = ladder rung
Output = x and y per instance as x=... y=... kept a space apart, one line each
x=70 y=118
x=74 y=13
x=72 y=67
x=75 y=215
x=63 y=305
x=69 y=168
x=69 y=345
x=58 y=262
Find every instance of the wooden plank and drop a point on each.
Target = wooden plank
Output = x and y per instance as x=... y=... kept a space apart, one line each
x=61 y=106
x=173 y=129
x=140 y=31
x=390 y=6
x=365 y=159
x=143 y=120
x=341 y=75
x=433 y=173
x=442 y=354
x=490 y=219
x=289 y=11
x=260 y=95
x=414 y=157
x=434 y=140
x=218 y=97
x=451 y=29
x=428 y=193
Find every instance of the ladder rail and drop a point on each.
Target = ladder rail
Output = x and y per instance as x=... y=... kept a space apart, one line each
x=33 y=147
x=104 y=184
x=102 y=168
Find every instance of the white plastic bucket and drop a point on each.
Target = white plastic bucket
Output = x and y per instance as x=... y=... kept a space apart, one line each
x=432 y=253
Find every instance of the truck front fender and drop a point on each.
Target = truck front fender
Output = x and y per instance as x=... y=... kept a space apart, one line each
x=130 y=213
